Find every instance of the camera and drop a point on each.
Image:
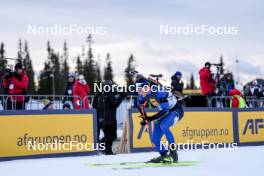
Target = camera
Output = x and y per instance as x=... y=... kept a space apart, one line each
x=218 y=65
x=8 y=73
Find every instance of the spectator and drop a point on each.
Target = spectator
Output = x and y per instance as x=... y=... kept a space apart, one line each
x=255 y=89
x=48 y=105
x=237 y=101
x=262 y=91
x=69 y=87
x=16 y=84
x=66 y=106
x=247 y=90
x=206 y=80
x=80 y=92
x=106 y=104
x=228 y=82
x=176 y=82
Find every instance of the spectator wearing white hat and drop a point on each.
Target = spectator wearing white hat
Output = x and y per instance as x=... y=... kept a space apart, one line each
x=80 y=91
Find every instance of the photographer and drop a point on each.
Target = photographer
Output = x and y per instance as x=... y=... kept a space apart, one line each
x=16 y=83
x=106 y=104
x=207 y=82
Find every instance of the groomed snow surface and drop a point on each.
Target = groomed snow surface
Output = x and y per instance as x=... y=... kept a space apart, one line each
x=245 y=161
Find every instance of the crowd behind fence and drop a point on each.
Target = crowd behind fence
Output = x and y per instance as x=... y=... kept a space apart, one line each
x=35 y=102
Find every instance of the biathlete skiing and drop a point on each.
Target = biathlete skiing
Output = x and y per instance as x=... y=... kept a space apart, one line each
x=170 y=112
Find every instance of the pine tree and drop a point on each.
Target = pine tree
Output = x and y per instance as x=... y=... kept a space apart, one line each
x=65 y=67
x=79 y=65
x=3 y=64
x=56 y=68
x=98 y=73
x=86 y=70
x=89 y=40
x=108 y=70
x=51 y=74
x=89 y=70
x=45 y=80
x=221 y=64
x=3 y=61
x=29 y=69
x=192 y=83
x=83 y=53
x=20 y=52
x=130 y=67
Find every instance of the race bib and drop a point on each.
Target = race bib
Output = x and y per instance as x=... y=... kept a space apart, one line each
x=171 y=100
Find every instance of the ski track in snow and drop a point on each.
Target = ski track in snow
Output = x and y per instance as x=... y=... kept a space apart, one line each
x=245 y=161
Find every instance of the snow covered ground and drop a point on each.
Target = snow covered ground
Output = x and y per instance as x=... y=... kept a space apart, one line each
x=245 y=161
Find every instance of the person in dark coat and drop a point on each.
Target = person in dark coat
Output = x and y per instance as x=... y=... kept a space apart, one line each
x=70 y=83
x=106 y=104
x=69 y=88
x=255 y=89
x=176 y=82
x=228 y=82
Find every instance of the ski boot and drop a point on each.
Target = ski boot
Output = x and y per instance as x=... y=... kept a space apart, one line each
x=109 y=152
x=174 y=155
x=163 y=158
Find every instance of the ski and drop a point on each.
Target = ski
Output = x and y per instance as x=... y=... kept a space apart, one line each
x=135 y=165
x=144 y=165
x=112 y=164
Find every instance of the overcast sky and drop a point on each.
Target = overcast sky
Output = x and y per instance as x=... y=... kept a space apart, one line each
x=134 y=27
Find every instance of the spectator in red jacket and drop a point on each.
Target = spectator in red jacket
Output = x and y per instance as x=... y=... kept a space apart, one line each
x=80 y=91
x=206 y=80
x=16 y=84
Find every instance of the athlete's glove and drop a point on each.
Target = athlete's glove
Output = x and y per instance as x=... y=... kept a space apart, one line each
x=159 y=115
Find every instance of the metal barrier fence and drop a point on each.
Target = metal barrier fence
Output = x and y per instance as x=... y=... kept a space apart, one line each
x=252 y=102
x=36 y=102
x=219 y=101
x=261 y=102
x=224 y=102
